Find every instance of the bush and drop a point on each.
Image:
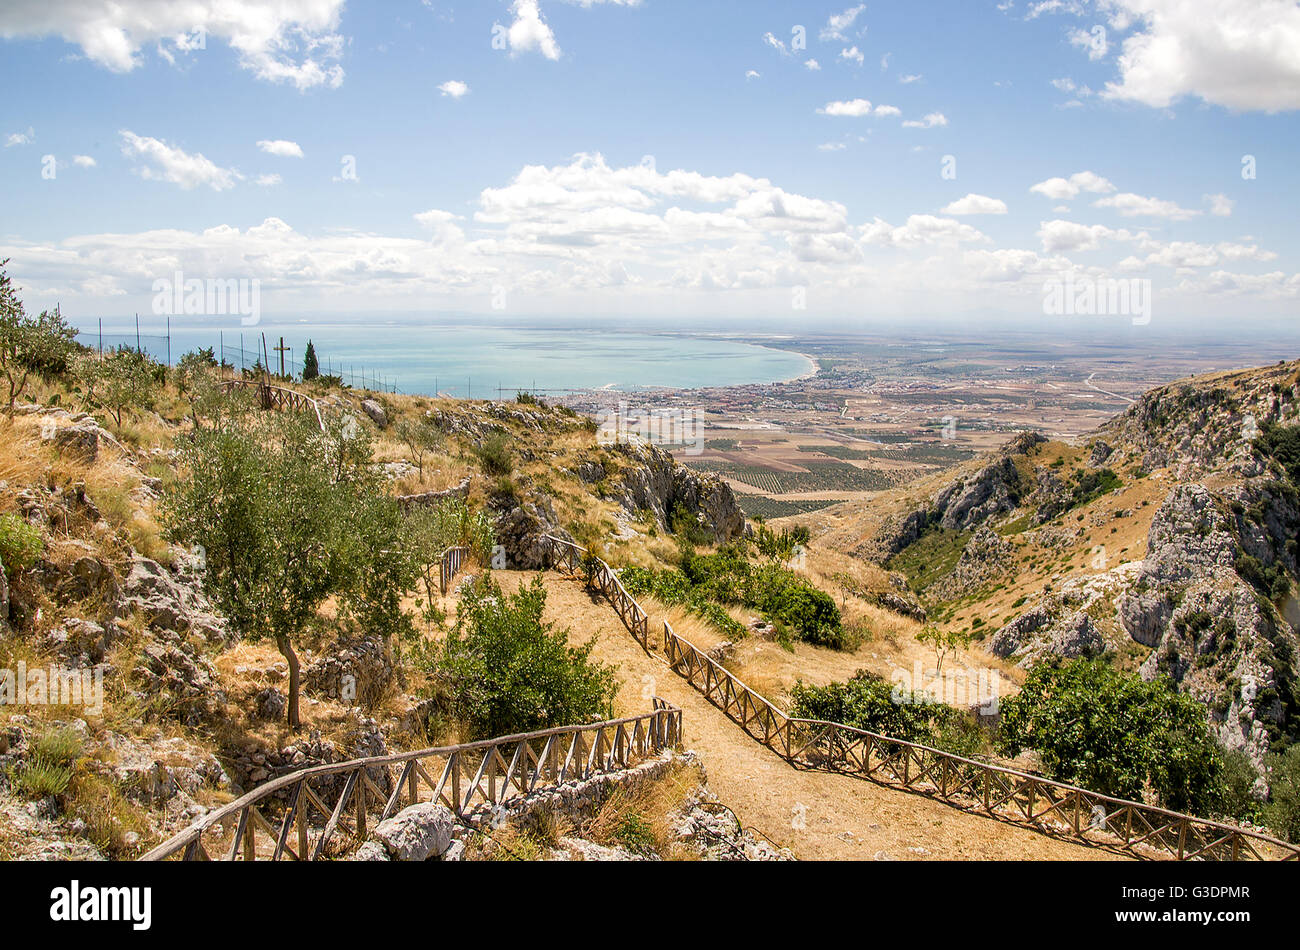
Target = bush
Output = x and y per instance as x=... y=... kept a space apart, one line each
x=1111 y=732
x=1282 y=814
x=871 y=703
x=1238 y=800
x=705 y=584
x=494 y=455
x=49 y=769
x=21 y=544
x=507 y=671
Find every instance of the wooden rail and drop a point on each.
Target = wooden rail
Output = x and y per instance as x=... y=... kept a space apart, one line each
x=573 y=558
x=329 y=808
x=1054 y=808
x=452 y=559
x=278 y=398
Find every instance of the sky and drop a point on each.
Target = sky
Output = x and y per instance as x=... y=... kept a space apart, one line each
x=791 y=162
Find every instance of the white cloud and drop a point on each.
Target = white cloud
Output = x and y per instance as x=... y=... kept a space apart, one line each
x=910 y=78
x=281 y=148
x=775 y=43
x=453 y=88
x=529 y=32
x=1181 y=255
x=268 y=181
x=443 y=226
x=1063 y=189
x=976 y=204
x=850 y=107
x=831 y=147
x=853 y=55
x=1130 y=205
x=1220 y=205
x=289 y=41
x=83 y=161
x=920 y=229
x=840 y=23
x=175 y=165
x=21 y=138
x=1094 y=42
x=1071 y=236
x=931 y=121
x=813 y=65
x=1243 y=54
x=568 y=232
x=887 y=111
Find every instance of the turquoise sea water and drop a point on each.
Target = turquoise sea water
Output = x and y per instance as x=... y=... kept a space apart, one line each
x=475 y=360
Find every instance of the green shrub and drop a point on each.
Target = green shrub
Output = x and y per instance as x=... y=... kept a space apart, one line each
x=21 y=544
x=50 y=765
x=1282 y=814
x=869 y=702
x=494 y=455
x=635 y=834
x=506 y=671
x=1237 y=788
x=1112 y=732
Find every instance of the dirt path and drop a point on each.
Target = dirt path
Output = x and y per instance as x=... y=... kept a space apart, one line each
x=843 y=818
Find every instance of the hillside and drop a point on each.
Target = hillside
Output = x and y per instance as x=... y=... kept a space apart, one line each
x=1163 y=542
x=1145 y=544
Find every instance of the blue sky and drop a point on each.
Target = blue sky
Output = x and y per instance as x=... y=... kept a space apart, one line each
x=654 y=157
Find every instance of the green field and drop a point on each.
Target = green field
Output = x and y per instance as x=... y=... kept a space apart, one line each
x=760 y=506
x=821 y=476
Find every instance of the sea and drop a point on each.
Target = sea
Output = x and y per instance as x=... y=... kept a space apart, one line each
x=475 y=361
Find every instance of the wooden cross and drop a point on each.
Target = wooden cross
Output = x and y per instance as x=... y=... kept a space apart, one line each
x=282 y=349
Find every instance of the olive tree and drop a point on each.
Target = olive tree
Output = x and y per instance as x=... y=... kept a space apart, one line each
x=261 y=500
x=40 y=344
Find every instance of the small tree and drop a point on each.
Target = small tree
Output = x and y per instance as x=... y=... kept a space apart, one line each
x=265 y=510
x=310 y=364
x=944 y=643
x=429 y=532
x=42 y=344
x=122 y=380
x=421 y=436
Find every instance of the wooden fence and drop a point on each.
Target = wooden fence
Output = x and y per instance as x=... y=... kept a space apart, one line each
x=452 y=559
x=573 y=558
x=1054 y=808
x=321 y=813
x=278 y=398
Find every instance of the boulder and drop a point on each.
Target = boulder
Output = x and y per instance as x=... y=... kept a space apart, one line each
x=417 y=833
x=88 y=576
x=270 y=704
x=378 y=415
x=654 y=481
x=521 y=530
x=169 y=603
x=82 y=440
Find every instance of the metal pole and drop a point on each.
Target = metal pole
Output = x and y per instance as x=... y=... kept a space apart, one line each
x=169 y=340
